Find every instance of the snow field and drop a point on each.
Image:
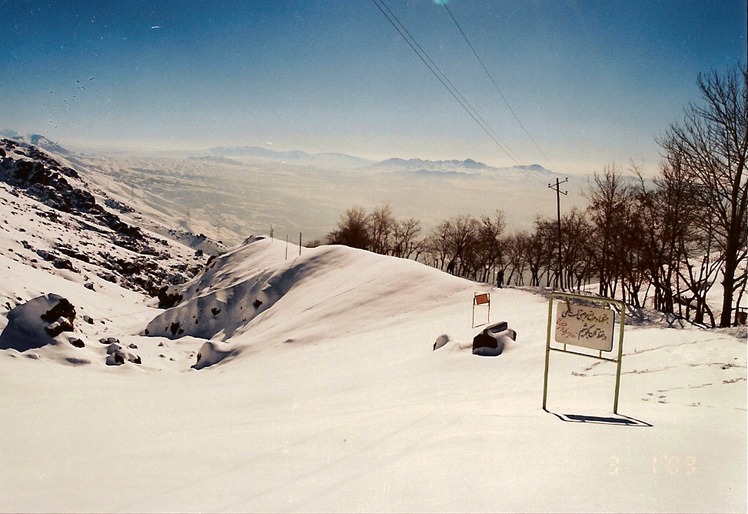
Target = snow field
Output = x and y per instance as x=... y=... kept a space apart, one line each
x=334 y=400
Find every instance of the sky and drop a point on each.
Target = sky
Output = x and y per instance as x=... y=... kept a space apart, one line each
x=579 y=84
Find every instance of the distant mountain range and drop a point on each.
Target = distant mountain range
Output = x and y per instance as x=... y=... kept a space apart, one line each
x=295 y=156
x=227 y=154
x=395 y=165
x=454 y=167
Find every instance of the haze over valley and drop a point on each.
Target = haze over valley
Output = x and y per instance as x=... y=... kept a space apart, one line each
x=239 y=192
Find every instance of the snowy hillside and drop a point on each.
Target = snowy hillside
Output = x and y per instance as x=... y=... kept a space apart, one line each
x=286 y=379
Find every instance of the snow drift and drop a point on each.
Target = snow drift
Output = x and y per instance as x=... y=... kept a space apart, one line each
x=236 y=296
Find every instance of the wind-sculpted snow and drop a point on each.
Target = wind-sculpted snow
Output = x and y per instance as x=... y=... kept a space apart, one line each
x=254 y=289
x=213 y=352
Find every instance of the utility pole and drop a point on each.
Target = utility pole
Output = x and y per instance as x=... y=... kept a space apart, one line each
x=557 y=188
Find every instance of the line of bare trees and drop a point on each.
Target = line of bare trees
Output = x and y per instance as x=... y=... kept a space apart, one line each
x=661 y=242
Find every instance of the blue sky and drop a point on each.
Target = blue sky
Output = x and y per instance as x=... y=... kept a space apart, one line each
x=593 y=82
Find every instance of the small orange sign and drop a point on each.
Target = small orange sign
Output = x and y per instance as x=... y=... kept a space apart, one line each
x=482 y=299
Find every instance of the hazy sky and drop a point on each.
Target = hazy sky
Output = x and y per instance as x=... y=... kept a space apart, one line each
x=593 y=82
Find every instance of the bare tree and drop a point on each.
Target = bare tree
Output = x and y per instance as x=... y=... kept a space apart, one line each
x=352 y=229
x=712 y=144
x=381 y=226
x=489 y=243
x=540 y=249
x=405 y=242
x=608 y=198
x=460 y=233
x=515 y=258
x=576 y=251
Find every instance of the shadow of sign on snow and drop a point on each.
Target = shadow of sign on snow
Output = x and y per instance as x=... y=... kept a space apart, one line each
x=617 y=420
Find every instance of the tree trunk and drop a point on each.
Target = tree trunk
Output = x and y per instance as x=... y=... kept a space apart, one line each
x=728 y=284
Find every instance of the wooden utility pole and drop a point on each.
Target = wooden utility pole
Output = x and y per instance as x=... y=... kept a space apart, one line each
x=557 y=188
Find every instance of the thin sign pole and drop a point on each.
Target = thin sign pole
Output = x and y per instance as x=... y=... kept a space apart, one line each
x=547 y=352
x=620 y=355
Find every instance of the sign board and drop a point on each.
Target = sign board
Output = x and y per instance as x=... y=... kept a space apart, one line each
x=482 y=299
x=578 y=324
x=588 y=327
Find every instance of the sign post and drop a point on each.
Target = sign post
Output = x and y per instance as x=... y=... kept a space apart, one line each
x=482 y=299
x=580 y=325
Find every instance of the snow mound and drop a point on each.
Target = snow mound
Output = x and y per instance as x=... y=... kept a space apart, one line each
x=212 y=352
x=44 y=320
x=249 y=295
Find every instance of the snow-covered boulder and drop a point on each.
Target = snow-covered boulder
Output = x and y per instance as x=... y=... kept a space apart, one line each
x=212 y=352
x=38 y=322
x=441 y=341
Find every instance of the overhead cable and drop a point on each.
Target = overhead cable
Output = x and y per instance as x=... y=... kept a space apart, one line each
x=496 y=86
x=439 y=74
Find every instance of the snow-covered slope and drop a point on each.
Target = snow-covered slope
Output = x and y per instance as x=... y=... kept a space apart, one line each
x=240 y=293
x=317 y=388
x=334 y=400
x=61 y=236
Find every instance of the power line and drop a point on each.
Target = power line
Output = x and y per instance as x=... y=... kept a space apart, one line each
x=496 y=86
x=439 y=74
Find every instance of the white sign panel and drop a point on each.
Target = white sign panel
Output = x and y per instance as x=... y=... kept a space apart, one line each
x=589 y=327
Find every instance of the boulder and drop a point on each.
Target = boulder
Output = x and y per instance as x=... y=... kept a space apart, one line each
x=37 y=323
x=493 y=339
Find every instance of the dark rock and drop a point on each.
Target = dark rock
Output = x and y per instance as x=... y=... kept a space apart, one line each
x=168 y=300
x=58 y=327
x=63 y=309
x=63 y=264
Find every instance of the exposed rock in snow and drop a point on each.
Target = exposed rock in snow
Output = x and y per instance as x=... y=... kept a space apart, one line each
x=94 y=237
x=441 y=341
x=117 y=355
x=38 y=323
